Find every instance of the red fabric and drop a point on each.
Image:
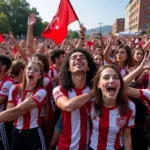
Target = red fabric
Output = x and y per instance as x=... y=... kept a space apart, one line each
x=89 y=43
x=14 y=50
x=57 y=29
x=140 y=44
x=1 y=38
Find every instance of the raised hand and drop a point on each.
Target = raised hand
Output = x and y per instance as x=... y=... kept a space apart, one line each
x=31 y=20
x=145 y=64
x=111 y=39
x=82 y=31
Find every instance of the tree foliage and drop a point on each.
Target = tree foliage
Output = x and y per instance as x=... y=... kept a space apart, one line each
x=73 y=34
x=4 y=24
x=148 y=30
x=17 y=12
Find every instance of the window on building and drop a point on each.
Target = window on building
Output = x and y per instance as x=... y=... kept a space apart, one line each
x=148 y=16
x=148 y=7
x=147 y=24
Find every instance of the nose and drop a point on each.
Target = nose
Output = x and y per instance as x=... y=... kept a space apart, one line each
x=78 y=57
x=111 y=80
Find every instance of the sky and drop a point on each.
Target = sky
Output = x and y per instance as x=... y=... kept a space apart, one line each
x=89 y=12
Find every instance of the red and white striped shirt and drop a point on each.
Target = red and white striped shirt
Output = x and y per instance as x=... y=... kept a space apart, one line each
x=53 y=73
x=145 y=97
x=145 y=94
x=75 y=134
x=48 y=85
x=32 y=118
x=5 y=86
x=146 y=81
x=107 y=130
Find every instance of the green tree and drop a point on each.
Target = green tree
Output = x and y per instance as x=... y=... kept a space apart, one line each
x=148 y=30
x=73 y=34
x=44 y=25
x=38 y=26
x=19 y=10
x=4 y=24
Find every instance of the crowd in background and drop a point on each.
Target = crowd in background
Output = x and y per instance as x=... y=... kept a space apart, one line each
x=43 y=85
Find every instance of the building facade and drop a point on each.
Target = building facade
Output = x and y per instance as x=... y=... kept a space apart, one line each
x=137 y=15
x=118 y=26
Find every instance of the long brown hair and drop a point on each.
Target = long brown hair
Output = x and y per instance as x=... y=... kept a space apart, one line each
x=121 y=100
x=40 y=81
x=128 y=61
x=134 y=53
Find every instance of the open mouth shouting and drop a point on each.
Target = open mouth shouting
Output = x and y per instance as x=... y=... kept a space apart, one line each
x=30 y=77
x=111 y=90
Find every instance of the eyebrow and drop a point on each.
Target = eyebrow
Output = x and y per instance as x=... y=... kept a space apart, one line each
x=113 y=75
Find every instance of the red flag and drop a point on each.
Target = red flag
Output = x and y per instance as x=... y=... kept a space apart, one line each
x=89 y=43
x=57 y=29
x=15 y=50
x=1 y=38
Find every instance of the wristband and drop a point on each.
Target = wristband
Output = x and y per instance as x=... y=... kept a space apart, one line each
x=82 y=38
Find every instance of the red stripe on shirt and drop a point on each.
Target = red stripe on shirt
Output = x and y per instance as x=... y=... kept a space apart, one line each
x=83 y=125
x=104 y=129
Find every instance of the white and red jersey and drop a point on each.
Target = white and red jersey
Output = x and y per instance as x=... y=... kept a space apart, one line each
x=146 y=81
x=32 y=118
x=76 y=132
x=106 y=131
x=123 y=72
x=53 y=73
x=145 y=96
x=5 y=86
x=48 y=85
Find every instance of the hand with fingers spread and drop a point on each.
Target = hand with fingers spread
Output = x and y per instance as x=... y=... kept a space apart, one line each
x=32 y=20
x=145 y=64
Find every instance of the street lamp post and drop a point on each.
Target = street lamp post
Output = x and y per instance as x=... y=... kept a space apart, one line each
x=100 y=23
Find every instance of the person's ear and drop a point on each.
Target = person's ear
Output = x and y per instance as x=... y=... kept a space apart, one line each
x=3 y=67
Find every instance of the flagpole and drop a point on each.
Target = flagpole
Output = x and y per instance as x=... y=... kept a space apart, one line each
x=79 y=23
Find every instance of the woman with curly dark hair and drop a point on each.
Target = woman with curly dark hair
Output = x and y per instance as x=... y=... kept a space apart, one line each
x=75 y=76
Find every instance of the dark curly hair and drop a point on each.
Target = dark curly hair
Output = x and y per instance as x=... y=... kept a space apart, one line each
x=65 y=75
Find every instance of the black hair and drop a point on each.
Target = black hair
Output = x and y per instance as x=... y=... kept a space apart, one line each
x=4 y=60
x=65 y=75
x=56 y=54
x=118 y=42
